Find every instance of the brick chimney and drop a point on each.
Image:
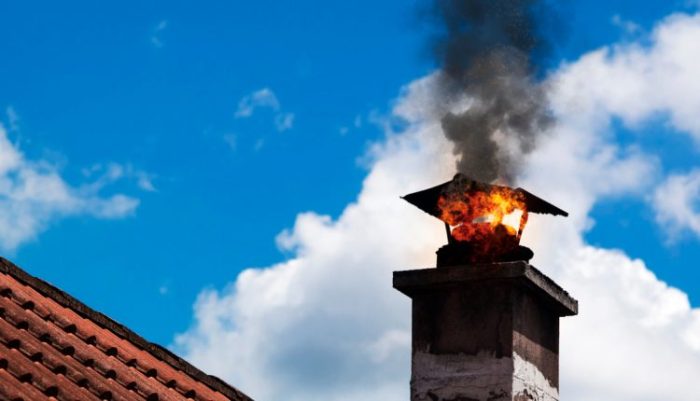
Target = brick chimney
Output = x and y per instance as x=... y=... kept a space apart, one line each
x=485 y=332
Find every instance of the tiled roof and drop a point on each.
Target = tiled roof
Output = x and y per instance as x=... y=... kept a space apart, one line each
x=53 y=347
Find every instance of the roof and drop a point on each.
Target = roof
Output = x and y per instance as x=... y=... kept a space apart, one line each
x=53 y=347
x=427 y=199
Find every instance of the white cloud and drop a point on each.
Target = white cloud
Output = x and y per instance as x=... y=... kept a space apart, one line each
x=327 y=325
x=164 y=289
x=356 y=124
x=627 y=26
x=33 y=195
x=12 y=119
x=111 y=172
x=627 y=342
x=259 y=144
x=637 y=81
x=677 y=203
x=156 y=39
x=263 y=98
x=284 y=121
x=231 y=141
x=145 y=181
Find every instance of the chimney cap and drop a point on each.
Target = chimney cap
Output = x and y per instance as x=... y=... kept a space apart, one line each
x=427 y=199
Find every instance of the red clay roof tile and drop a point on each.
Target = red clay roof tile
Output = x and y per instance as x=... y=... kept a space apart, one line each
x=53 y=347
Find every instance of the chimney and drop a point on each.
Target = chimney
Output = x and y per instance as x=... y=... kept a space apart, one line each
x=485 y=321
x=485 y=332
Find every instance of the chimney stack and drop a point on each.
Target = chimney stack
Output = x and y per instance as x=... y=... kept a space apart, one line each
x=485 y=332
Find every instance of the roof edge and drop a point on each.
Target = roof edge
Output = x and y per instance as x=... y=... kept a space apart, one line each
x=120 y=330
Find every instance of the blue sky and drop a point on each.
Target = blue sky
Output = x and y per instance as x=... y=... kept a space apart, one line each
x=152 y=89
x=90 y=86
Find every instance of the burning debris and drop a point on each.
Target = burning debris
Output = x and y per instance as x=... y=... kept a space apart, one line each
x=484 y=222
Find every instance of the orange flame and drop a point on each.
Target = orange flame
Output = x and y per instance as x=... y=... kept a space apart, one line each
x=485 y=219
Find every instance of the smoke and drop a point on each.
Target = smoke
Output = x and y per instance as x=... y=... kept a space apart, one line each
x=488 y=52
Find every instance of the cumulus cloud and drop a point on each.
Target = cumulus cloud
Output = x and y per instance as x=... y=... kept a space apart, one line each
x=677 y=203
x=640 y=80
x=265 y=98
x=326 y=324
x=33 y=194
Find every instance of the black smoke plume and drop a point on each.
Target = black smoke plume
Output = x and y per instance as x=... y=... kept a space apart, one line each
x=488 y=52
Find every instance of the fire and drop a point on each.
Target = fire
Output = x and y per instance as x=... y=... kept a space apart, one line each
x=484 y=222
x=491 y=221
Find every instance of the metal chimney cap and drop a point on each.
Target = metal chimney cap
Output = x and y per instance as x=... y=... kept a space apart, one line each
x=427 y=199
